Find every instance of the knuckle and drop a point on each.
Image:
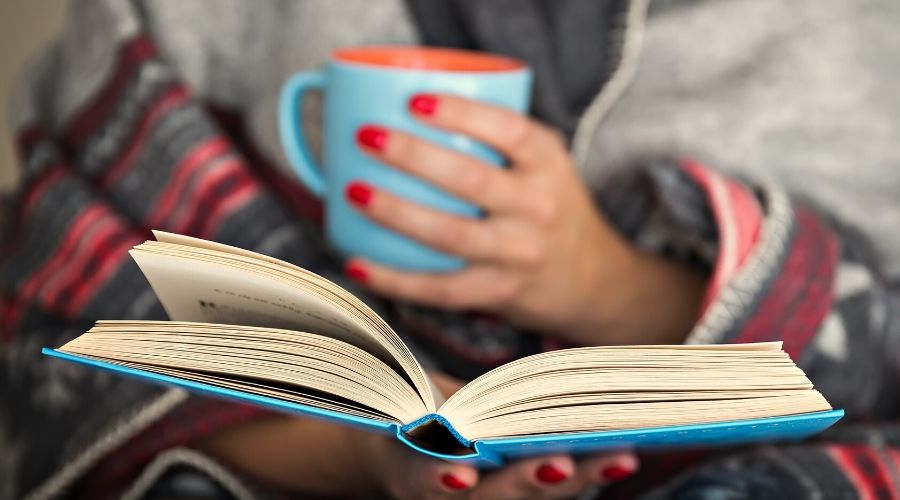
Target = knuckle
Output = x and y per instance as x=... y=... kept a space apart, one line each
x=546 y=212
x=440 y=295
x=408 y=154
x=555 y=139
x=506 y=291
x=530 y=255
x=463 y=111
x=474 y=179
x=450 y=237
x=517 y=131
x=382 y=205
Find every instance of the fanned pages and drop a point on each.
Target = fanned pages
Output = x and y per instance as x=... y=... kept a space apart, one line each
x=256 y=328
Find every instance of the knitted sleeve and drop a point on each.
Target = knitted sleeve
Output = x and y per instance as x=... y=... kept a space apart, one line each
x=780 y=270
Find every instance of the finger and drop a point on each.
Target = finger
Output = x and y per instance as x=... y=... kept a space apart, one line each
x=462 y=175
x=550 y=476
x=476 y=287
x=443 y=480
x=525 y=142
x=465 y=237
x=608 y=468
x=405 y=474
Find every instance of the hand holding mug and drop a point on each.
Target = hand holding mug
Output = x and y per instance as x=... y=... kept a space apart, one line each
x=423 y=210
x=542 y=256
x=368 y=84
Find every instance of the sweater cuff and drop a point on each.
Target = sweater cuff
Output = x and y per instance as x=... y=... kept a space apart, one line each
x=195 y=418
x=771 y=262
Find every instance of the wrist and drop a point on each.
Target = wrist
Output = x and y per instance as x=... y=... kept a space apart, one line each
x=608 y=289
x=636 y=297
x=296 y=454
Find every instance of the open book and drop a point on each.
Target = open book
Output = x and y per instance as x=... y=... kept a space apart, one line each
x=252 y=328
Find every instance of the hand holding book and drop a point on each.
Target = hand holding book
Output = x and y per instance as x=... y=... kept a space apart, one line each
x=350 y=461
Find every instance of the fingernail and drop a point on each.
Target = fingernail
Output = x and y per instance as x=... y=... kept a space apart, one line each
x=550 y=474
x=372 y=137
x=356 y=272
x=423 y=104
x=616 y=473
x=359 y=193
x=453 y=482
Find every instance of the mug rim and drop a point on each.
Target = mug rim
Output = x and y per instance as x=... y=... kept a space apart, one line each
x=421 y=58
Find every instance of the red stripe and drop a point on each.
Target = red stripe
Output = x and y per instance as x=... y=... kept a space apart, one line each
x=110 y=258
x=31 y=286
x=68 y=244
x=132 y=54
x=845 y=462
x=864 y=468
x=70 y=270
x=801 y=295
x=246 y=190
x=201 y=154
x=206 y=190
x=218 y=198
x=738 y=219
x=59 y=291
x=189 y=206
x=36 y=190
x=292 y=195
x=171 y=98
x=92 y=245
x=29 y=194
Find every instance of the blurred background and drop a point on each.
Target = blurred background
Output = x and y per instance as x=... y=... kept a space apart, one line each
x=25 y=27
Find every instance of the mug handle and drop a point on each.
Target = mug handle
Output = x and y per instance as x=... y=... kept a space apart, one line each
x=290 y=127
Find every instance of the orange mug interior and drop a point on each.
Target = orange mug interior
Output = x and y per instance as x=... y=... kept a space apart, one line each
x=427 y=58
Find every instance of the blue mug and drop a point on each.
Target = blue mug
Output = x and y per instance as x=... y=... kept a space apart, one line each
x=373 y=85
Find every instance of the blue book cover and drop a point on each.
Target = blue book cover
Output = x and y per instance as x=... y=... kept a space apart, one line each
x=494 y=452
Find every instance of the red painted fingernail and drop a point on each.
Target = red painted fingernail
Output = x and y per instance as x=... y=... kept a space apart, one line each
x=356 y=272
x=359 y=193
x=372 y=137
x=453 y=482
x=616 y=473
x=424 y=104
x=550 y=474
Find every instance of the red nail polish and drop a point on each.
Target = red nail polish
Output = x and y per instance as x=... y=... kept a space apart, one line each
x=359 y=193
x=356 y=272
x=453 y=482
x=372 y=137
x=550 y=474
x=424 y=104
x=616 y=473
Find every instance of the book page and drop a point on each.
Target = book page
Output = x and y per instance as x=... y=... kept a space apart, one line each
x=595 y=389
x=308 y=368
x=211 y=282
x=198 y=291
